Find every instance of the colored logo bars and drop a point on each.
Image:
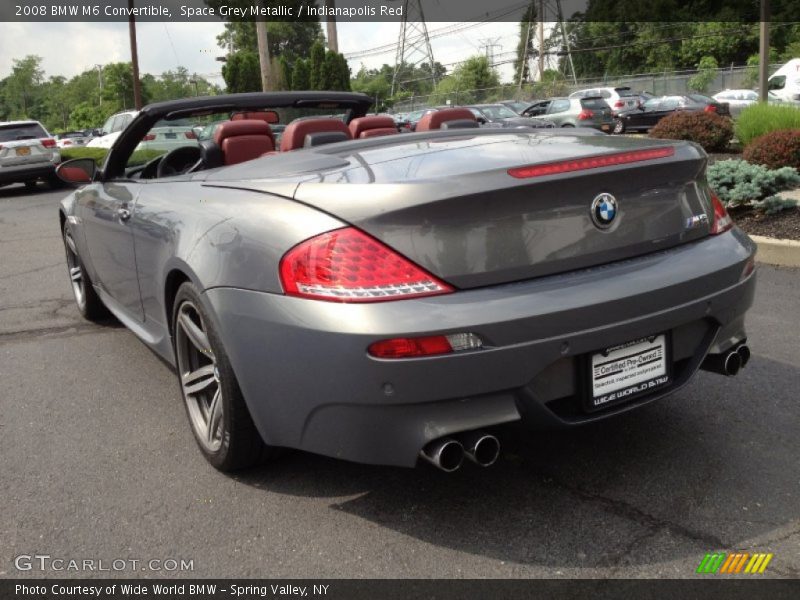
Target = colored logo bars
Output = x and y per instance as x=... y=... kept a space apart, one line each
x=738 y=562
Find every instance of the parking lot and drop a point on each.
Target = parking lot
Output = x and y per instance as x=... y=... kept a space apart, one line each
x=98 y=462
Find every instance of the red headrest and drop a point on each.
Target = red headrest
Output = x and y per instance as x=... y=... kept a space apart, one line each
x=243 y=140
x=434 y=120
x=359 y=127
x=254 y=116
x=295 y=133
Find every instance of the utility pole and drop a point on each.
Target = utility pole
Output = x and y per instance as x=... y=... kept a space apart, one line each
x=263 y=55
x=763 y=52
x=137 y=85
x=560 y=16
x=333 y=38
x=541 y=39
x=524 y=62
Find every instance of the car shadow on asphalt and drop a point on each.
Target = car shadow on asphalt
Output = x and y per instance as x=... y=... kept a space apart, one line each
x=693 y=473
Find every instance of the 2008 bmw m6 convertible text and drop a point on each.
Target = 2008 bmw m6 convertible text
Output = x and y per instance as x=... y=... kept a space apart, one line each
x=376 y=297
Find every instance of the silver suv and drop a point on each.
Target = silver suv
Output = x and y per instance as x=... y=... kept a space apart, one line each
x=28 y=153
x=618 y=98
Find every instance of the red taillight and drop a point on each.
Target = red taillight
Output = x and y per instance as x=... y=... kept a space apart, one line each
x=347 y=265
x=49 y=143
x=425 y=346
x=722 y=220
x=619 y=104
x=585 y=114
x=190 y=135
x=710 y=108
x=67 y=143
x=407 y=347
x=149 y=137
x=593 y=162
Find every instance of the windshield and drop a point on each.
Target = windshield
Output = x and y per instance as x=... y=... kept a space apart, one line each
x=21 y=131
x=166 y=136
x=498 y=112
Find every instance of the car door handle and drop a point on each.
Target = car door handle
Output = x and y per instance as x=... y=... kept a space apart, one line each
x=124 y=214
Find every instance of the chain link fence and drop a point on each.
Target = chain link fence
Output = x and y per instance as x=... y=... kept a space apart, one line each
x=659 y=84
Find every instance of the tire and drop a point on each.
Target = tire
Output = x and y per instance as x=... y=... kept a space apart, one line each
x=89 y=304
x=54 y=182
x=30 y=185
x=619 y=127
x=217 y=413
x=568 y=125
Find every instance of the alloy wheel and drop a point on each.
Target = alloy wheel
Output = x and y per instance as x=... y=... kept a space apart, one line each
x=199 y=376
x=75 y=270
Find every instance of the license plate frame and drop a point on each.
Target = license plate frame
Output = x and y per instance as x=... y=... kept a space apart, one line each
x=23 y=151
x=639 y=383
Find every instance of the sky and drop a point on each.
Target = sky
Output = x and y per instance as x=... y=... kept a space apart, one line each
x=70 y=48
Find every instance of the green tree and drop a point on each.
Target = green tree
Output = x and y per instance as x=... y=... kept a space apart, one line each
x=527 y=36
x=317 y=60
x=471 y=81
x=706 y=74
x=285 y=71
x=300 y=75
x=242 y=72
x=22 y=90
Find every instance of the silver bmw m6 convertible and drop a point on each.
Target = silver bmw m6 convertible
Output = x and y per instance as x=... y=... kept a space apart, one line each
x=322 y=283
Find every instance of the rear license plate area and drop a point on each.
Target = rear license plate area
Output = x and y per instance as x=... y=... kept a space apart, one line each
x=626 y=371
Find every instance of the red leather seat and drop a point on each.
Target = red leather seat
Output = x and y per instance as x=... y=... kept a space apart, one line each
x=366 y=127
x=243 y=140
x=254 y=116
x=434 y=120
x=294 y=136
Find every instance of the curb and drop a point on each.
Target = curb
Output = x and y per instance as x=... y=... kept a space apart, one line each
x=773 y=251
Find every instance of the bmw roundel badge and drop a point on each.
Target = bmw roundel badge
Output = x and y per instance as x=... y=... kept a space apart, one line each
x=604 y=210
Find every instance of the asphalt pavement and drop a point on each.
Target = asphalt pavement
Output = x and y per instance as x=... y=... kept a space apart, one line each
x=97 y=462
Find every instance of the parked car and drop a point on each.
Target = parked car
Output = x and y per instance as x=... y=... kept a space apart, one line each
x=574 y=112
x=736 y=99
x=651 y=112
x=28 y=153
x=112 y=128
x=617 y=98
x=499 y=115
x=518 y=106
x=387 y=300
x=71 y=138
x=414 y=117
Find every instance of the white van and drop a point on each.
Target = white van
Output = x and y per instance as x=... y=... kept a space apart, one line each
x=785 y=82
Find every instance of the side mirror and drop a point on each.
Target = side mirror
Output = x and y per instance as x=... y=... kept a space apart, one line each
x=77 y=171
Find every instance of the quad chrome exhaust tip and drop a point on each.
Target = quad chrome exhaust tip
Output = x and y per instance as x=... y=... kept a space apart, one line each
x=446 y=454
x=481 y=448
x=727 y=363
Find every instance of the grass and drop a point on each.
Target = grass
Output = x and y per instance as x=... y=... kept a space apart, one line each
x=759 y=119
x=139 y=157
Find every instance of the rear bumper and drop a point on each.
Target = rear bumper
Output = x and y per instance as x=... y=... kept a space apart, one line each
x=20 y=173
x=310 y=384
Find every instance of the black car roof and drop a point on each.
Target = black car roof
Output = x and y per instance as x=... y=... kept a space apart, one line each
x=174 y=109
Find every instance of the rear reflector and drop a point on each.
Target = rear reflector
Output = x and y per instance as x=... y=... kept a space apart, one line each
x=49 y=143
x=722 y=220
x=593 y=162
x=425 y=346
x=347 y=265
x=190 y=135
x=149 y=137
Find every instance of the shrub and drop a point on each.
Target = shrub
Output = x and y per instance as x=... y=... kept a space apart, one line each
x=775 y=150
x=710 y=130
x=775 y=204
x=758 y=119
x=740 y=183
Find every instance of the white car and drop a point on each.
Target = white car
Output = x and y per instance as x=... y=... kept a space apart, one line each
x=165 y=136
x=618 y=98
x=112 y=128
x=71 y=139
x=28 y=153
x=737 y=99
